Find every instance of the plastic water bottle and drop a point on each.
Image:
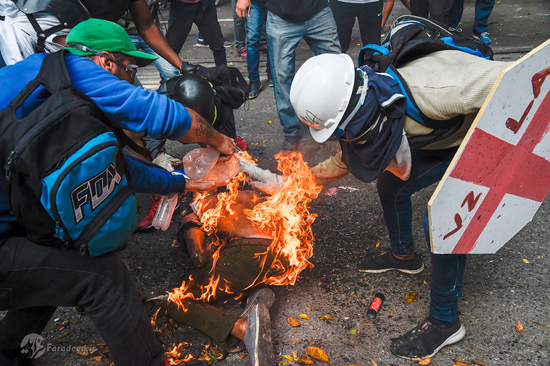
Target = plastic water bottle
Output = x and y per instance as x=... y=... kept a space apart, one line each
x=198 y=162
x=164 y=213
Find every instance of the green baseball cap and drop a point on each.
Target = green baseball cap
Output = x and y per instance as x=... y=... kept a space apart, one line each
x=103 y=35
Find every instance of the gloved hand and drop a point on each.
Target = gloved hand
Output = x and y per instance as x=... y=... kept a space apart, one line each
x=189 y=68
x=263 y=179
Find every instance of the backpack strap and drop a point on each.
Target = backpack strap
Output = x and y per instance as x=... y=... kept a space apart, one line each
x=414 y=112
x=42 y=35
x=53 y=75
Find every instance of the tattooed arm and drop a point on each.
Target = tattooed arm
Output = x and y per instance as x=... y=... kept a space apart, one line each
x=201 y=131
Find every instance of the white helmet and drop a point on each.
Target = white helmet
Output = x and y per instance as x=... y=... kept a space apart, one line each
x=321 y=92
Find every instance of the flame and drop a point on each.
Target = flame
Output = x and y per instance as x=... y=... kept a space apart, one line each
x=154 y=318
x=175 y=355
x=285 y=215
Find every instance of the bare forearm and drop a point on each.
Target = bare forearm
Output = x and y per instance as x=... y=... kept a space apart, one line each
x=201 y=131
x=151 y=34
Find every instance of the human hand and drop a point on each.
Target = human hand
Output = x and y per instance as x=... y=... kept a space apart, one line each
x=243 y=9
x=227 y=148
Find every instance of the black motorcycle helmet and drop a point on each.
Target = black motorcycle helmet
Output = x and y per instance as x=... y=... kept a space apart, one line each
x=193 y=91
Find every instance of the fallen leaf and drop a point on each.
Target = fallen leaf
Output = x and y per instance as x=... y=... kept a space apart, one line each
x=317 y=354
x=537 y=323
x=411 y=297
x=304 y=359
x=366 y=321
x=303 y=316
x=425 y=361
x=294 y=355
x=320 y=283
x=377 y=244
x=353 y=331
x=373 y=363
x=63 y=335
x=525 y=261
x=265 y=141
x=292 y=322
x=294 y=342
x=309 y=308
x=97 y=358
x=353 y=293
x=268 y=121
x=288 y=357
x=478 y=363
x=519 y=327
x=327 y=317
x=460 y=362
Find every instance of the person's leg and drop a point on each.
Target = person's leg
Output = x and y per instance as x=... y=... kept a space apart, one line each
x=440 y=9
x=321 y=34
x=344 y=16
x=166 y=69
x=40 y=278
x=483 y=11
x=456 y=12
x=180 y=22
x=369 y=16
x=420 y=8
x=239 y=30
x=2 y=63
x=207 y=22
x=282 y=39
x=253 y=29
x=395 y=195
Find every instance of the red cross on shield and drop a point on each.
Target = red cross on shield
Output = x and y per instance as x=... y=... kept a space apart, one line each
x=501 y=173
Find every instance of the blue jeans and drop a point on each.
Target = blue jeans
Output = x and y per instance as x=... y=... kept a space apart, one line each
x=483 y=10
x=166 y=69
x=254 y=26
x=239 y=30
x=282 y=39
x=395 y=194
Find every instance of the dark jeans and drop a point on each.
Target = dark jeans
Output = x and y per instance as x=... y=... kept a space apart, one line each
x=181 y=19
x=239 y=30
x=35 y=279
x=239 y=271
x=434 y=9
x=483 y=9
x=368 y=15
x=254 y=29
x=395 y=194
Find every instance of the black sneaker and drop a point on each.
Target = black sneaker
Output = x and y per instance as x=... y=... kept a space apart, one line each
x=270 y=82
x=254 y=89
x=426 y=339
x=385 y=261
x=290 y=143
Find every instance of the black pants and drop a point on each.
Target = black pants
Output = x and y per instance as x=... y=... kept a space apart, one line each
x=434 y=9
x=181 y=19
x=368 y=15
x=35 y=279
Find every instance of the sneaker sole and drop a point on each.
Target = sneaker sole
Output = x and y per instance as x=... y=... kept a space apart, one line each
x=407 y=271
x=454 y=338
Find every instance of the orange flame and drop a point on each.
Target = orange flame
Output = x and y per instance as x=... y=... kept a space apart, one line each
x=174 y=356
x=285 y=215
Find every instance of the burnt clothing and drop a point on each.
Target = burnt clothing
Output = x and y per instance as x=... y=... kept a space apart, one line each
x=296 y=11
x=238 y=268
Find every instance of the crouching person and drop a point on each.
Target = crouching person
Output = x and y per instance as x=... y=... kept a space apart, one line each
x=36 y=278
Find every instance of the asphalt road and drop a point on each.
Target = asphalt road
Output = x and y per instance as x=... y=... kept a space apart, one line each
x=499 y=289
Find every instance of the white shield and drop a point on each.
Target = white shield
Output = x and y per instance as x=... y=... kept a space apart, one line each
x=501 y=173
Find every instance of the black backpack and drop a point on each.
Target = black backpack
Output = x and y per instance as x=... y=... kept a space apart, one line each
x=63 y=169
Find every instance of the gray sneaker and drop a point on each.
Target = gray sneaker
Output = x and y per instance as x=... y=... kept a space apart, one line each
x=262 y=296
x=257 y=338
x=385 y=261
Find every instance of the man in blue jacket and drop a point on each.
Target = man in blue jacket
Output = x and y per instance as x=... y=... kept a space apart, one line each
x=35 y=279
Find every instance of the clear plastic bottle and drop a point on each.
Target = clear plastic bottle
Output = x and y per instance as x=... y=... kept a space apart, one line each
x=164 y=213
x=198 y=162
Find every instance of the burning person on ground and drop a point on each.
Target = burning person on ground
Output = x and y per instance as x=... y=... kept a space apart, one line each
x=243 y=241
